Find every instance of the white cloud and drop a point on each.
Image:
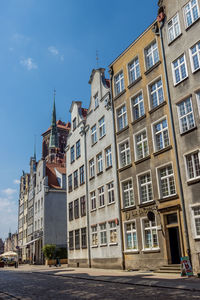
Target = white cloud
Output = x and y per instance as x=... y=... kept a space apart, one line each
x=16 y=181
x=9 y=192
x=18 y=37
x=28 y=63
x=8 y=216
x=54 y=51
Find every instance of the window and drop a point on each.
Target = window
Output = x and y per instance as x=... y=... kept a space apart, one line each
x=70 y=211
x=78 y=149
x=166 y=181
x=108 y=157
x=72 y=154
x=94 y=134
x=41 y=222
x=198 y=100
x=93 y=200
x=76 y=209
x=96 y=101
x=82 y=177
x=141 y=145
x=111 y=195
x=103 y=234
x=124 y=153
x=36 y=208
x=94 y=235
x=74 y=123
x=196 y=217
x=186 y=117
x=151 y=55
x=75 y=179
x=122 y=117
x=83 y=238
x=91 y=165
x=71 y=240
x=179 y=69
x=137 y=106
x=161 y=136
x=173 y=28
x=130 y=236
x=193 y=165
x=119 y=83
x=99 y=163
x=145 y=188
x=195 y=57
x=156 y=93
x=150 y=235
x=101 y=196
x=83 y=207
x=42 y=203
x=133 y=70
x=127 y=193
x=70 y=183
x=102 y=127
x=113 y=232
x=77 y=239
x=191 y=12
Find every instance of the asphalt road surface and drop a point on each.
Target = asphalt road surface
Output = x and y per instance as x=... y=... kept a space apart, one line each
x=30 y=285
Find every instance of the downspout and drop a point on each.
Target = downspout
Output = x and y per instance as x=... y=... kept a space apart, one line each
x=188 y=251
x=116 y=160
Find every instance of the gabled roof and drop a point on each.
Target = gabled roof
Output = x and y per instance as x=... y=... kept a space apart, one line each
x=61 y=125
x=51 y=173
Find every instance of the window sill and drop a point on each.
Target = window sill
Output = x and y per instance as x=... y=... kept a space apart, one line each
x=193 y=181
x=195 y=71
x=113 y=244
x=72 y=162
x=70 y=191
x=176 y=84
x=176 y=38
x=83 y=215
x=173 y=197
x=99 y=173
x=122 y=130
x=148 y=203
x=156 y=250
x=103 y=245
x=139 y=119
x=152 y=68
x=197 y=238
x=132 y=251
x=142 y=159
x=82 y=183
x=94 y=246
x=94 y=144
x=96 y=107
x=134 y=82
x=129 y=208
x=75 y=187
x=92 y=177
x=71 y=249
x=118 y=95
x=84 y=247
x=108 y=168
x=101 y=206
x=93 y=210
x=163 y=150
x=186 y=29
x=188 y=131
x=125 y=167
x=157 y=107
x=78 y=157
x=111 y=203
x=102 y=137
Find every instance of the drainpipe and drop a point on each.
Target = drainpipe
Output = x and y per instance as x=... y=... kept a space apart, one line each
x=83 y=131
x=117 y=166
x=175 y=146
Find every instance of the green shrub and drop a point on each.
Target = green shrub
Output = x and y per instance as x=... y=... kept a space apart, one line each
x=49 y=251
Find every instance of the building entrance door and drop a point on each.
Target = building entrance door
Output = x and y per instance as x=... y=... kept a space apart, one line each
x=174 y=242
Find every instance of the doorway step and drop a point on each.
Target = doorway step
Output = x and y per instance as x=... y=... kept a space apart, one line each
x=173 y=268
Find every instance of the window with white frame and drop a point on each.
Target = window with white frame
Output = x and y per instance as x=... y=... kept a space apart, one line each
x=108 y=157
x=195 y=57
x=93 y=200
x=124 y=154
x=111 y=193
x=186 y=117
x=137 y=106
x=196 y=218
x=91 y=168
x=122 y=121
x=151 y=55
x=130 y=236
x=179 y=69
x=134 y=70
x=103 y=234
x=96 y=101
x=161 y=135
x=94 y=235
x=145 y=188
x=150 y=235
x=127 y=193
x=166 y=181
x=141 y=145
x=72 y=152
x=101 y=196
x=198 y=100
x=119 y=83
x=191 y=12
x=193 y=165
x=78 y=149
x=156 y=93
x=174 y=29
x=94 y=134
x=113 y=232
x=99 y=163
x=102 y=127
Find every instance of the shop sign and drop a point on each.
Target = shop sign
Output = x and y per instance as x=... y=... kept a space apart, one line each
x=186 y=266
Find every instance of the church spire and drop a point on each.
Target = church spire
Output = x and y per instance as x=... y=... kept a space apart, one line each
x=53 y=143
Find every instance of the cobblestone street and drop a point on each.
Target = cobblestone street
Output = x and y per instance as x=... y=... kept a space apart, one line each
x=68 y=284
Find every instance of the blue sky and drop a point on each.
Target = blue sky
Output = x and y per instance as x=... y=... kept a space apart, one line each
x=47 y=44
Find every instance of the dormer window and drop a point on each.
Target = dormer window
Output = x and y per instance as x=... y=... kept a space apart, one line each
x=74 y=123
x=96 y=101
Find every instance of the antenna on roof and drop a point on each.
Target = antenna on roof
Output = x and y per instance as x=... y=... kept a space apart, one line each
x=97 y=58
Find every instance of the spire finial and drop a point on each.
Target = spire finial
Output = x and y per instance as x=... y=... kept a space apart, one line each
x=34 y=146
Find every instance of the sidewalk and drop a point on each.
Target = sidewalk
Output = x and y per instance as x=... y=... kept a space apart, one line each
x=142 y=278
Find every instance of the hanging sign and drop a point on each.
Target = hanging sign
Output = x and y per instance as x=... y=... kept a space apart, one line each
x=186 y=266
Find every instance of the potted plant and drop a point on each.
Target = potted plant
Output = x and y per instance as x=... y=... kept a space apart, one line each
x=49 y=253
